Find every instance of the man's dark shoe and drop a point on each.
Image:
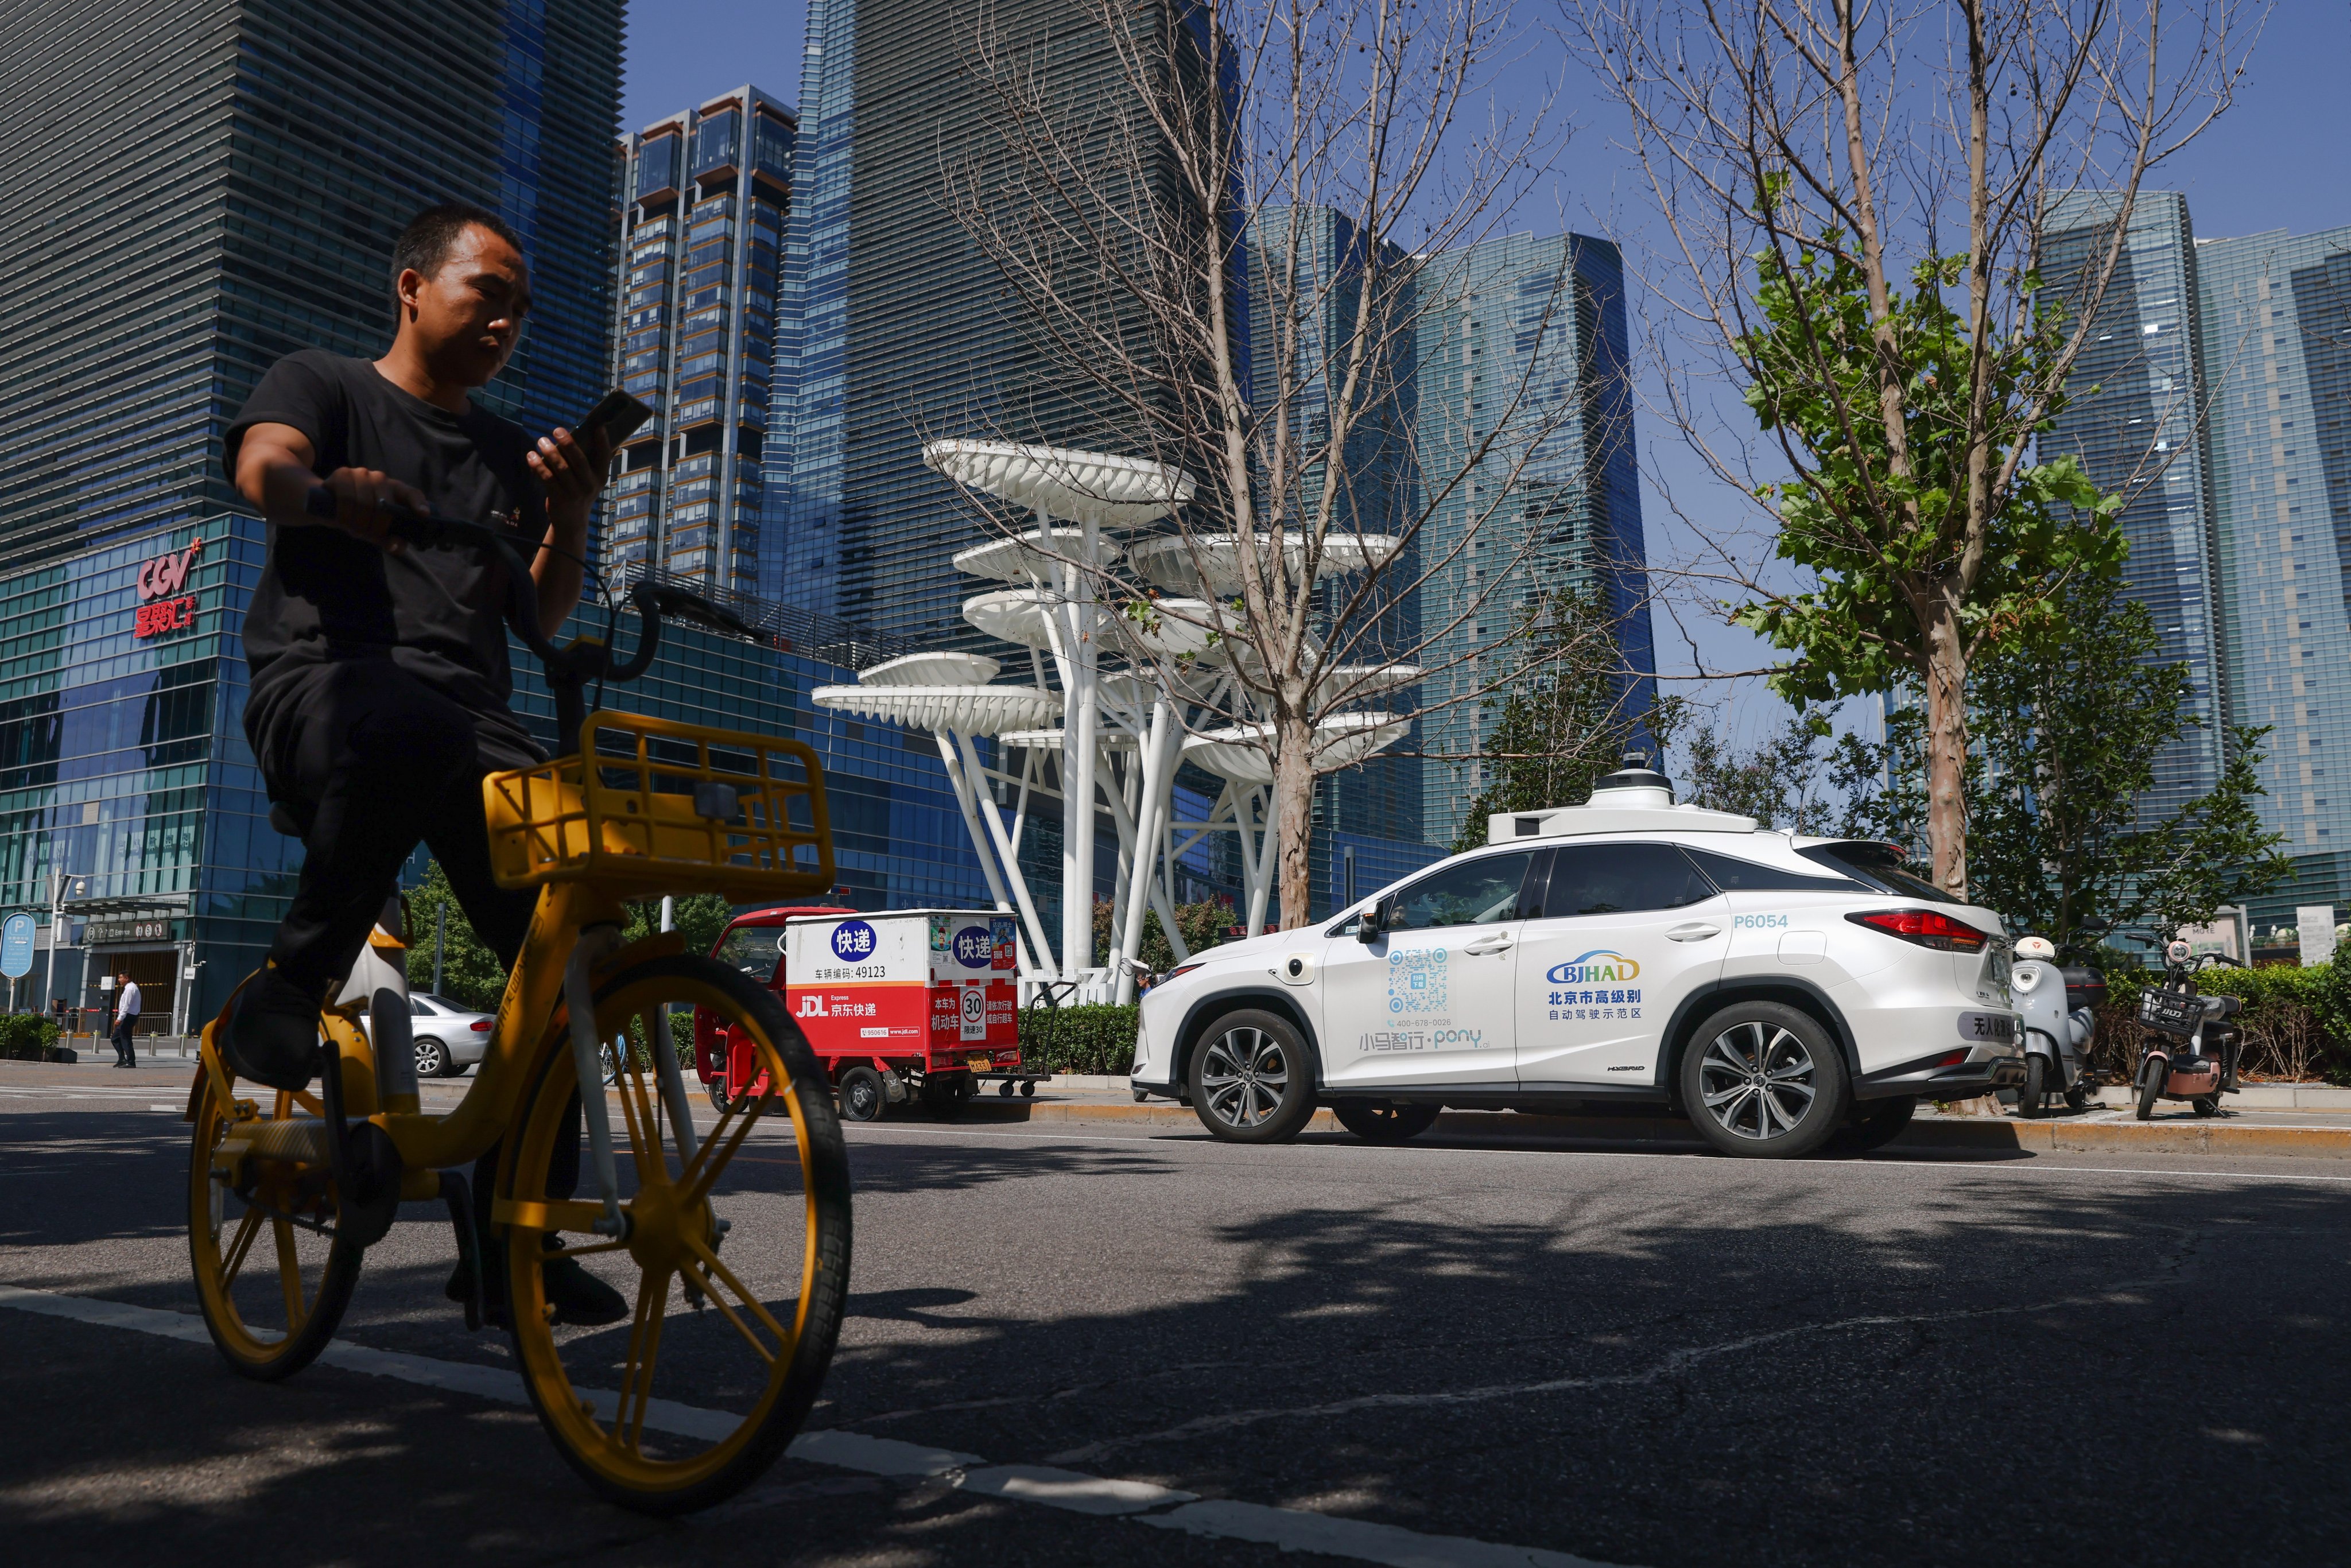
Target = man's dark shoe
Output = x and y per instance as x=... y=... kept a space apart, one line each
x=574 y=1296
x=578 y=1297
x=272 y=1034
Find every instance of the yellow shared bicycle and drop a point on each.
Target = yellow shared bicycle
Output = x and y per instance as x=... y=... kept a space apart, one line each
x=731 y=1240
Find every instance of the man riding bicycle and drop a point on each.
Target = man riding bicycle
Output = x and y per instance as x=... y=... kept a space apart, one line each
x=379 y=674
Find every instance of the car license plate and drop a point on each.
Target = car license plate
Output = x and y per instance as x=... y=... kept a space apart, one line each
x=1999 y=1026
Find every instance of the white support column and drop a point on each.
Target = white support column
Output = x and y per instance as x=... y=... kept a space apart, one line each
x=968 y=784
x=1007 y=847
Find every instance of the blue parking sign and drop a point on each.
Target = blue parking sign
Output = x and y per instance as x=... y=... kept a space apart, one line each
x=16 y=946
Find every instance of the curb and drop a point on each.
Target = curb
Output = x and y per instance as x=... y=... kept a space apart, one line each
x=2212 y=1140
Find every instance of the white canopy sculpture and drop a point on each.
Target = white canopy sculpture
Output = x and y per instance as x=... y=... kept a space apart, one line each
x=1118 y=733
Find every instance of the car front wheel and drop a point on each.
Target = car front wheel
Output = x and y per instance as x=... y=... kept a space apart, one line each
x=433 y=1059
x=1251 y=1080
x=1764 y=1081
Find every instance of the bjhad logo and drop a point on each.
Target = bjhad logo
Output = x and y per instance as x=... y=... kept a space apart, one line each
x=161 y=606
x=1593 y=967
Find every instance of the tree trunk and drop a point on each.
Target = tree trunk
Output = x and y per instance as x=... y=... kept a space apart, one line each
x=1946 y=748
x=1293 y=819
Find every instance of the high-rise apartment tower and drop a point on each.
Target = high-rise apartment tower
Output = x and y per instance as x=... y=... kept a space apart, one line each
x=702 y=235
x=198 y=187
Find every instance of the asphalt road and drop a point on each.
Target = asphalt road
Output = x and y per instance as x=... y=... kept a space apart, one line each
x=1624 y=1358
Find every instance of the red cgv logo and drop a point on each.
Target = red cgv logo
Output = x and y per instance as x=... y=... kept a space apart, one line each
x=161 y=606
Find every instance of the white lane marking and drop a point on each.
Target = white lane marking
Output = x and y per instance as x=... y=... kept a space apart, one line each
x=1293 y=1531
x=180 y=1108
x=1072 y=1491
x=1696 y=1156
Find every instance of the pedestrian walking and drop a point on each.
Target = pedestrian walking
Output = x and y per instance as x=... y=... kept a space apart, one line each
x=126 y=1016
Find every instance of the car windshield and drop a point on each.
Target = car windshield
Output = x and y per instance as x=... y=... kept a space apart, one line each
x=752 y=949
x=1878 y=866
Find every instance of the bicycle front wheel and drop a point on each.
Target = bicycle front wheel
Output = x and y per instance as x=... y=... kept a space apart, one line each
x=272 y=1275
x=735 y=1264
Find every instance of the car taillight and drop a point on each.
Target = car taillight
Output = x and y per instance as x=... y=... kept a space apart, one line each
x=480 y=1026
x=1926 y=927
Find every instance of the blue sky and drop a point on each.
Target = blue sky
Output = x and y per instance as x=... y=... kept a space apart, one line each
x=2277 y=160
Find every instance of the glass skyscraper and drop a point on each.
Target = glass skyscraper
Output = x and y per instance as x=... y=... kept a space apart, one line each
x=2276 y=310
x=702 y=234
x=1554 y=503
x=895 y=326
x=2134 y=420
x=199 y=187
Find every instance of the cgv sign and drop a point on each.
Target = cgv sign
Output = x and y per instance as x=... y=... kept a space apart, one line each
x=161 y=606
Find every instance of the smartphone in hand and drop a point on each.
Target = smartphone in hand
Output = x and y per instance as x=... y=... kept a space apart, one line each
x=617 y=415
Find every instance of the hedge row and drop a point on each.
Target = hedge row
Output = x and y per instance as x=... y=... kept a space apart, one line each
x=2297 y=1026
x=1078 y=1039
x=28 y=1037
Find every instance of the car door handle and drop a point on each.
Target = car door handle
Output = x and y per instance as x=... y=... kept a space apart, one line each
x=1485 y=944
x=1696 y=931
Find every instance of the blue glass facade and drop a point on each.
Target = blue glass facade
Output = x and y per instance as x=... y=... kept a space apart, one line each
x=705 y=199
x=1538 y=323
x=123 y=762
x=200 y=189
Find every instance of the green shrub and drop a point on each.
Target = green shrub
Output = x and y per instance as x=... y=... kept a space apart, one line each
x=2297 y=1025
x=1091 y=1040
x=28 y=1037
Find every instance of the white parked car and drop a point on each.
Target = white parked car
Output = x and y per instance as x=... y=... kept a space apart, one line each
x=450 y=1036
x=1778 y=990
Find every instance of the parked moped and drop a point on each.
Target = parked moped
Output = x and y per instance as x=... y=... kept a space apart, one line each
x=2060 y=1007
x=2191 y=1052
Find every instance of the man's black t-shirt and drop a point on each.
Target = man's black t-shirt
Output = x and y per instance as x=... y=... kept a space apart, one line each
x=438 y=614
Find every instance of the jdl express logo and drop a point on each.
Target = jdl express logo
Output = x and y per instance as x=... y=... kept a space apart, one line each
x=852 y=941
x=1598 y=966
x=974 y=947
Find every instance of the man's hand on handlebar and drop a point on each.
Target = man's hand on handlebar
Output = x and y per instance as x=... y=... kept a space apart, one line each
x=367 y=503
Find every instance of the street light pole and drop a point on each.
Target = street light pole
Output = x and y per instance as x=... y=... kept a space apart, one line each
x=57 y=895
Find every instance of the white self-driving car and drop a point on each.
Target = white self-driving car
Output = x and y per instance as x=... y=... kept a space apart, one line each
x=1780 y=991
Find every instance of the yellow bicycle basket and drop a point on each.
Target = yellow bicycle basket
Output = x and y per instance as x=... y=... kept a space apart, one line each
x=656 y=807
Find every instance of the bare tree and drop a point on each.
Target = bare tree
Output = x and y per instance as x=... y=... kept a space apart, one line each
x=1857 y=190
x=1238 y=256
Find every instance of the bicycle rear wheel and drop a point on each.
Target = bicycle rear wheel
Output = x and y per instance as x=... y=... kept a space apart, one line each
x=735 y=1260
x=273 y=1275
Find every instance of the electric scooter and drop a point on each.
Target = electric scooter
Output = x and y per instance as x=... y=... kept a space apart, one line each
x=2061 y=1017
x=2191 y=1052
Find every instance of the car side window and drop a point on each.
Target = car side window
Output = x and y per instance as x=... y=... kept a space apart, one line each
x=1473 y=893
x=1619 y=879
x=416 y=1006
x=1734 y=875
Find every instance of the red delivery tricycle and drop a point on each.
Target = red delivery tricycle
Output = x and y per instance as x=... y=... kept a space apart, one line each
x=918 y=1003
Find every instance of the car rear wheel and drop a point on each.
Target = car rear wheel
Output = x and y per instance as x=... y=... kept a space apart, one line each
x=1384 y=1120
x=1764 y=1081
x=1251 y=1080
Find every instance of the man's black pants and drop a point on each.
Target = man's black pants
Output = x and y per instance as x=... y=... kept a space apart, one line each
x=125 y=1054
x=375 y=760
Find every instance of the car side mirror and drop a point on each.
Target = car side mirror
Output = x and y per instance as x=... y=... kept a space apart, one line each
x=1368 y=928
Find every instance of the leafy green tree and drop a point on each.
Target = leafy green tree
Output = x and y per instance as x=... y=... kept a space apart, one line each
x=1202 y=925
x=1927 y=530
x=1781 y=783
x=1561 y=723
x=701 y=918
x=471 y=973
x=2071 y=718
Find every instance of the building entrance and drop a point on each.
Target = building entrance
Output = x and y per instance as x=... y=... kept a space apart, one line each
x=156 y=971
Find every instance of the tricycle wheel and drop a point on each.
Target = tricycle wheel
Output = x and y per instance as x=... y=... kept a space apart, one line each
x=2207 y=1104
x=717 y=1087
x=1029 y=1090
x=2078 y=1096
x=861 y=1095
